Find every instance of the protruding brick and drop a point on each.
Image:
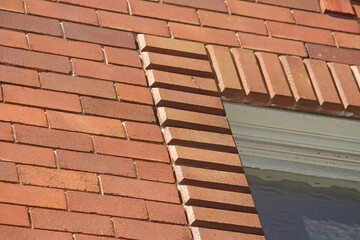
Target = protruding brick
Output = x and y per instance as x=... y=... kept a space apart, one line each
x=8 y=172
x=117 y=5
x=131 y=93
x=335 y=7
x=165 y=212
x=300 y=83
x=136 y=188
x=347 y=40
x=122 y=57
x=154 y=171
x=12 y=5
x=311 y=5
x=143 y=131
x=21 y=114
x=187 y=101
x=356 y=71
x=333 y=54
x=10 y=233
x=13 y=39
x=250 y=76
x=213 y=234
x=14 y=215
x=275 y=80
x=6 y=132
x=19 y=76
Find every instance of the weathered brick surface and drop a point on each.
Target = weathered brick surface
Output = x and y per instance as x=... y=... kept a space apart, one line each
x=112 y=5
x=155 y=171
x=13 y=39
x=210 y=5
x=347 y=40
x=22 y=114
x=165 y=212
x=311 y=5
x=122 y=57
x=143 y=131
x=8 y=172
x=9 y=233
x=6 y=132
x=14 y=215
x=12 y=5
x=19 y=76
x=332 y=54
x=125 y=93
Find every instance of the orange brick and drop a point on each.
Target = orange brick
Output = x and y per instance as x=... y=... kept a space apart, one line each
x=163 y=11
x=112 y=5
x=325 y=21
x=135 y=94
x=19 y=76
x=209 y=4
x=122 y=57
x=136 y=188
x=155 y=171
x=109 y=72
x=99 y=35
x=143 y=131
x=77 y=85
x=260 y=11
x=57 y=10
x=134 y=229
x=41 y=98
x=12 y=5
x=187 y=101
x=334 y=7
x=107 y=205
x=125 y=148
x=250 y=76
x=53 y=138
x=64 y=47
x=201 y=34
x=36 y=60
x=268 y=44
x=167 y=213
x=90 y=162
x=6 y=132
x=9 y=233
x=13 y=39
x=113 y=109
x=29 y=23
x=8 y=172
x=32 y=196
x=311 y=5
x=59 y=178
x=347 y=40
x=213 y=234
x=232 y=22
x=73 y=222
x=133 y=23
x=14 y=215
x=20 y=114
x=357 y=10
x=26 y=154
x=356 y=71
x=86 y=124
x=90 y=237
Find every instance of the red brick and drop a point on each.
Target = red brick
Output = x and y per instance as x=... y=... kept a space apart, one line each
x=41 y=98
x=300 y=83
x=192 y=120
x=171 y=46
x=64 y=47
x=212 y=234
x=125 y=148
x=323 y=85
x=107 y=205
x=58 y=178
x=32 y=196
x=20 y=114
x=325 y=21
x=226 y=220
x=19 y=76
x=136 y=188
x=201 y=34
x=112 y=5
x=12 y=5
x=214 y=5
x=6 y=132
x=29 y=23
x=122 y=57
x=182 y=65
x=347 y=40
x=163 y=11
x=13 y=39
x=89 y=237
x=305 y=34
x=86 y=124
x=61 y=11
x=155 y=171
x=335 y=7
x=187 y=101
x=26 y=154
x=199 y=139
x=229 y=181
x=167 y=213
x=72 y=222
x=36 y=60
x=250 y=75
x=260 y=11
x=14 y=215
x=129 y=93
x=356 y=71
x=132 y=229
x=181 y=82
x=205 y=158
x=143 y=131
x=8 y=172
x=333 y=54
x=90 y=162
x=357 y=10
x=133 y=23
x=10 y=233
x=113 y=109
x=99 y=35
x=53 y=138
x=268 y=44
x=109 y=72
x=77 y=85
x=232 y=22
x=275 y=80
x=311 y=5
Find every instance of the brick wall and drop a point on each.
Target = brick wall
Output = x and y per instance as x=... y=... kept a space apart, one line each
x=111 y=117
